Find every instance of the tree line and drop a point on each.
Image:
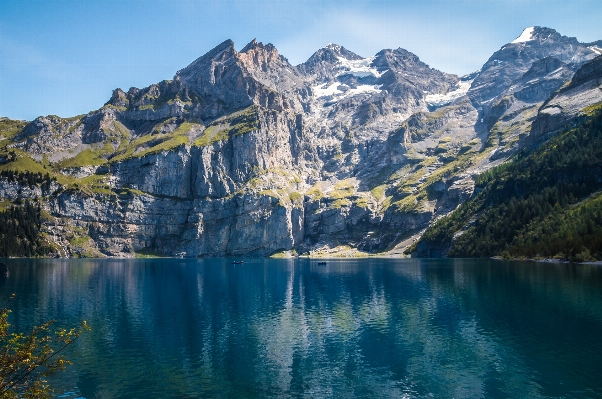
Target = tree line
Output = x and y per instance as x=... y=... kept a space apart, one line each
x=27 y=178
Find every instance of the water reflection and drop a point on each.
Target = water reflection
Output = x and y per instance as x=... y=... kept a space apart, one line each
x=352 y=328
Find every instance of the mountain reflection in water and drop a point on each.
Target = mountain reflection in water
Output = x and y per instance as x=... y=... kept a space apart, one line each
x=170 y=328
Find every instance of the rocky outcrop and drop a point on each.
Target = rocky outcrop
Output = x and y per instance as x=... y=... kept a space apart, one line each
x=165 y=174
x=13 y=190
x=541 y=80
x=567 y=104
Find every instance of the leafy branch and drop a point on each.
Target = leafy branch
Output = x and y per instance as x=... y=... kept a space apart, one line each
x=26 y=359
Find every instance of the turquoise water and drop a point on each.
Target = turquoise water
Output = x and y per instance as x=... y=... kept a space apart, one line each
x=179 y=328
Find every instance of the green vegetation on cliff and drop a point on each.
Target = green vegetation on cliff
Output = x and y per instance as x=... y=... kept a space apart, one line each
x=155 y=142
x=231 y=125
x=87 y=157
x=543 y=203
x=10 y=128
x=19 y=161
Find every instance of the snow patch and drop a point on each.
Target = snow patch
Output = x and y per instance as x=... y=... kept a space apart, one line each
x=526 y=36
x=596 y=49
x=339 y=91
x=360 y=68
x=439 y=100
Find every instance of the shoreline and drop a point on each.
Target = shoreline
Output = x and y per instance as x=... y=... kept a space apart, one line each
x=329 y=256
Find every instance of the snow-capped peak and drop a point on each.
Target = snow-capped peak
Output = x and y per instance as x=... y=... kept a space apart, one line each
x=360 y=68
x=526 y=36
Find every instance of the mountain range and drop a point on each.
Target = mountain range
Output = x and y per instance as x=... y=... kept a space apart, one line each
x=242 y=153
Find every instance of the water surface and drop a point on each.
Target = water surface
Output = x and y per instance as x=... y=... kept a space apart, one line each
x=180 y=328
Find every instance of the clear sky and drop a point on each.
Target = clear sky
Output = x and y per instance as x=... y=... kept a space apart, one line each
x=65 y=57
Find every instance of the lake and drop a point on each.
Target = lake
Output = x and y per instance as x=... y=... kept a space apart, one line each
x=367 y=328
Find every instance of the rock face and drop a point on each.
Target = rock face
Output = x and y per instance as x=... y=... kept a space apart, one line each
x=507 y=65
x=565 y=106
x=244 y=153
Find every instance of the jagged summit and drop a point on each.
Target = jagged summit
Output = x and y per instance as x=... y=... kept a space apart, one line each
x=219 y=54
x=397 y=59
x=525 y=36
x=254 y=45
x=226 y=45
x=257 y=55
x=332 y=52
x=539 y=35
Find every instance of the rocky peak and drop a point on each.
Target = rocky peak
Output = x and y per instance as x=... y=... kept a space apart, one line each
x=397 y=59
x=539 y=42
x=542 y=34
x=221 y=54
x=256 y=55
x=515 y=59
x=539 y=35
x=319 y=65
x=225 y=47
x=400 y=67
x=119 y=98
x=39 y=126
x=254 y=45
x=265 y=65
x=251 y=45
x=332 y=53
x=222 y=77
x=219 y=82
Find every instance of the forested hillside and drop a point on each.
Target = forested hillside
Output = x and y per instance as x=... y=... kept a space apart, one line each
x=20 y=231
x=543 y=203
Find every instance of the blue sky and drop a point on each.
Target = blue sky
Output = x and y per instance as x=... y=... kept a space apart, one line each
x=64 y=57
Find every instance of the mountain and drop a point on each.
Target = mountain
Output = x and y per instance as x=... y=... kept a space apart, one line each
x=242 y=153
x=515 y=59
x=544 y=203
